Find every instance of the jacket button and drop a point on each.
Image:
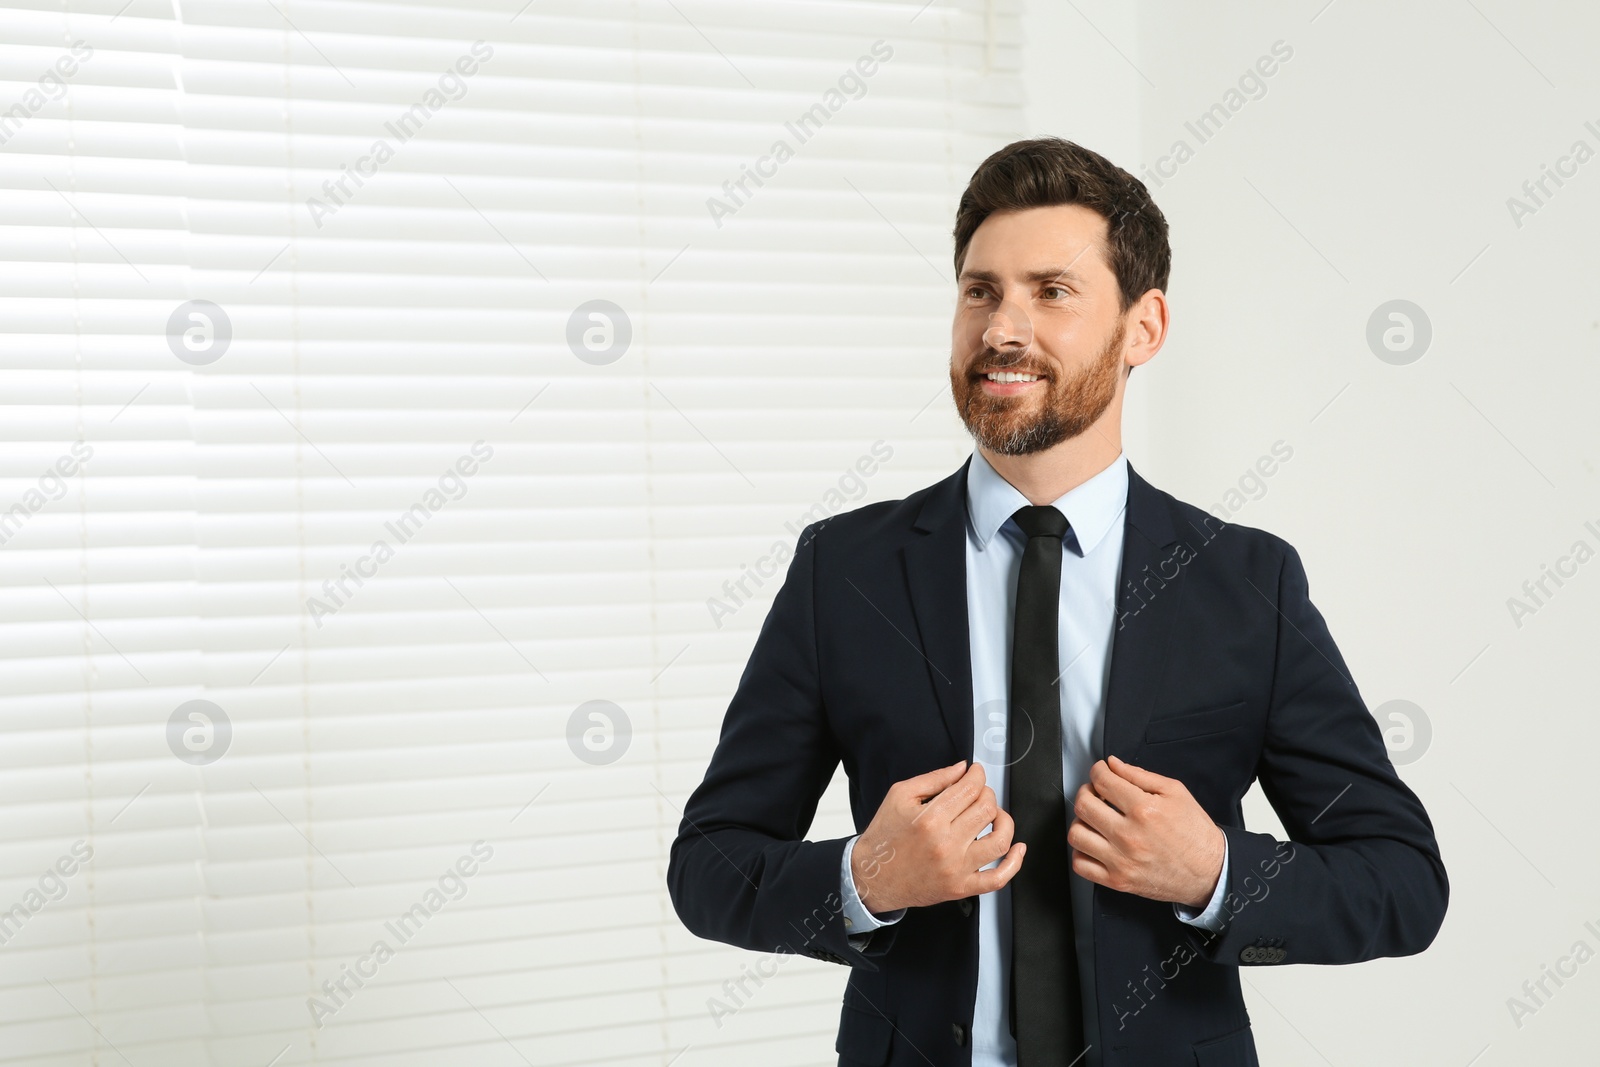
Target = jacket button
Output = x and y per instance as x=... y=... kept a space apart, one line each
x=966 y=907
x=959 y=1032
x=1249 y=955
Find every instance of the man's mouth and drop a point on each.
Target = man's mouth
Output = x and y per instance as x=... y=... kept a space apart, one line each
x=1000 y=383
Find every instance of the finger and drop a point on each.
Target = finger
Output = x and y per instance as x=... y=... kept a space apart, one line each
x=1086 y=839
x=934 y=782
x=1097 y=814
x=991 y=846
x=1149 y=781
x=1002 y=873
x=978 y=814
x=957 y=797
x=1091 y=869
x=1004 y=824
x=954 y=798
x=985 y=850
x=1114 y=789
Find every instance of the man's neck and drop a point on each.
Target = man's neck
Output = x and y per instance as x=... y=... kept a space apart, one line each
x=1044 y=477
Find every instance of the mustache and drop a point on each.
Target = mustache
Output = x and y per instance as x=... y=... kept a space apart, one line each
x=991 y=360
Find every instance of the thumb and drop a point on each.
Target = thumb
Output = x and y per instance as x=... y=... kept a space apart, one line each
x=935 y=782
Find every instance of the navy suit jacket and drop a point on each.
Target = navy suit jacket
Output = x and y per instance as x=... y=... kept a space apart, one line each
x=1222 y=673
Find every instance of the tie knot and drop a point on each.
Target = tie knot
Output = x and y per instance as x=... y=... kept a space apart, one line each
x=1040 y=521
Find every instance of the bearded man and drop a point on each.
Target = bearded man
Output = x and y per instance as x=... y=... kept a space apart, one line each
x=1051 y=684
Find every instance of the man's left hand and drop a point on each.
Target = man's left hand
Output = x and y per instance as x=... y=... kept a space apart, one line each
x=1140 y=832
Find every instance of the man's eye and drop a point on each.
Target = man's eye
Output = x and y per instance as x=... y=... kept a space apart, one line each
x=1055 y=289
x=976 y=293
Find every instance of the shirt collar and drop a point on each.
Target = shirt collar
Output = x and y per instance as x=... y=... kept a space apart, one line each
x=1091 y=507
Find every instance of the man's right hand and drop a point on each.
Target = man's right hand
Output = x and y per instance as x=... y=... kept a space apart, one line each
x=922 y=847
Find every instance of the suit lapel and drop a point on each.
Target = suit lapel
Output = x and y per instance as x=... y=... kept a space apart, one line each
x=936 y=575
x=1150 y=592
x=1149 y=599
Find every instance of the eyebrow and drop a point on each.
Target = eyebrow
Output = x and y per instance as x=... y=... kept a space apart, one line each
x=1043 y=274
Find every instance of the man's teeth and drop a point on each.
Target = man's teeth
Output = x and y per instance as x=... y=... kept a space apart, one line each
x=1010 y=376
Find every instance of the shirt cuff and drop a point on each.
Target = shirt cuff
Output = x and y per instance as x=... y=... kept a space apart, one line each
x=858 y=921
x=1211 y=918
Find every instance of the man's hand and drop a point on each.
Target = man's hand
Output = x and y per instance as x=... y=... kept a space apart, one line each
x=922 y=846
x=1139 y=832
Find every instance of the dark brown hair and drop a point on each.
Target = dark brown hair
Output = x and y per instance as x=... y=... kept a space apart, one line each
x=1050 y=170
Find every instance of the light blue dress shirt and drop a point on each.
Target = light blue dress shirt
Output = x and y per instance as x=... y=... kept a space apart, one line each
x=1090 y=564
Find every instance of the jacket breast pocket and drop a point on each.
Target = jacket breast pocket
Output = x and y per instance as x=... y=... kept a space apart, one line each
x=1191 y=724
x=864 y=1037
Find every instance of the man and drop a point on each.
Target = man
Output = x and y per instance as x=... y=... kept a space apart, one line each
x=1045 y=625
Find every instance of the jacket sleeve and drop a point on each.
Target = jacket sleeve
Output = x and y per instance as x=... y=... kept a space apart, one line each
x=1361 y=875
x=740 y=870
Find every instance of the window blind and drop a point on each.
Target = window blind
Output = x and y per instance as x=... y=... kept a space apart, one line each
x=408 y=412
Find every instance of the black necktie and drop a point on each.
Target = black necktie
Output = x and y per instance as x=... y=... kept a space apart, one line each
x=1047 y=1016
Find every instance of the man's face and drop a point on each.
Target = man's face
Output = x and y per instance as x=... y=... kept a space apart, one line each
x=1037 y=299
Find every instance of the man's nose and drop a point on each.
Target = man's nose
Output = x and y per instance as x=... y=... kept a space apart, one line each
x=1009 y=325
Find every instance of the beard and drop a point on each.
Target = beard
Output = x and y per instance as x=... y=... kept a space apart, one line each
x=1009 y=425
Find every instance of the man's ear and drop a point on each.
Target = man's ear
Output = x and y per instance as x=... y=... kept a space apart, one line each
x=1153 y=317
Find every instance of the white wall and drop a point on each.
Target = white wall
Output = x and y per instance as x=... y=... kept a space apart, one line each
x=1377 y=166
